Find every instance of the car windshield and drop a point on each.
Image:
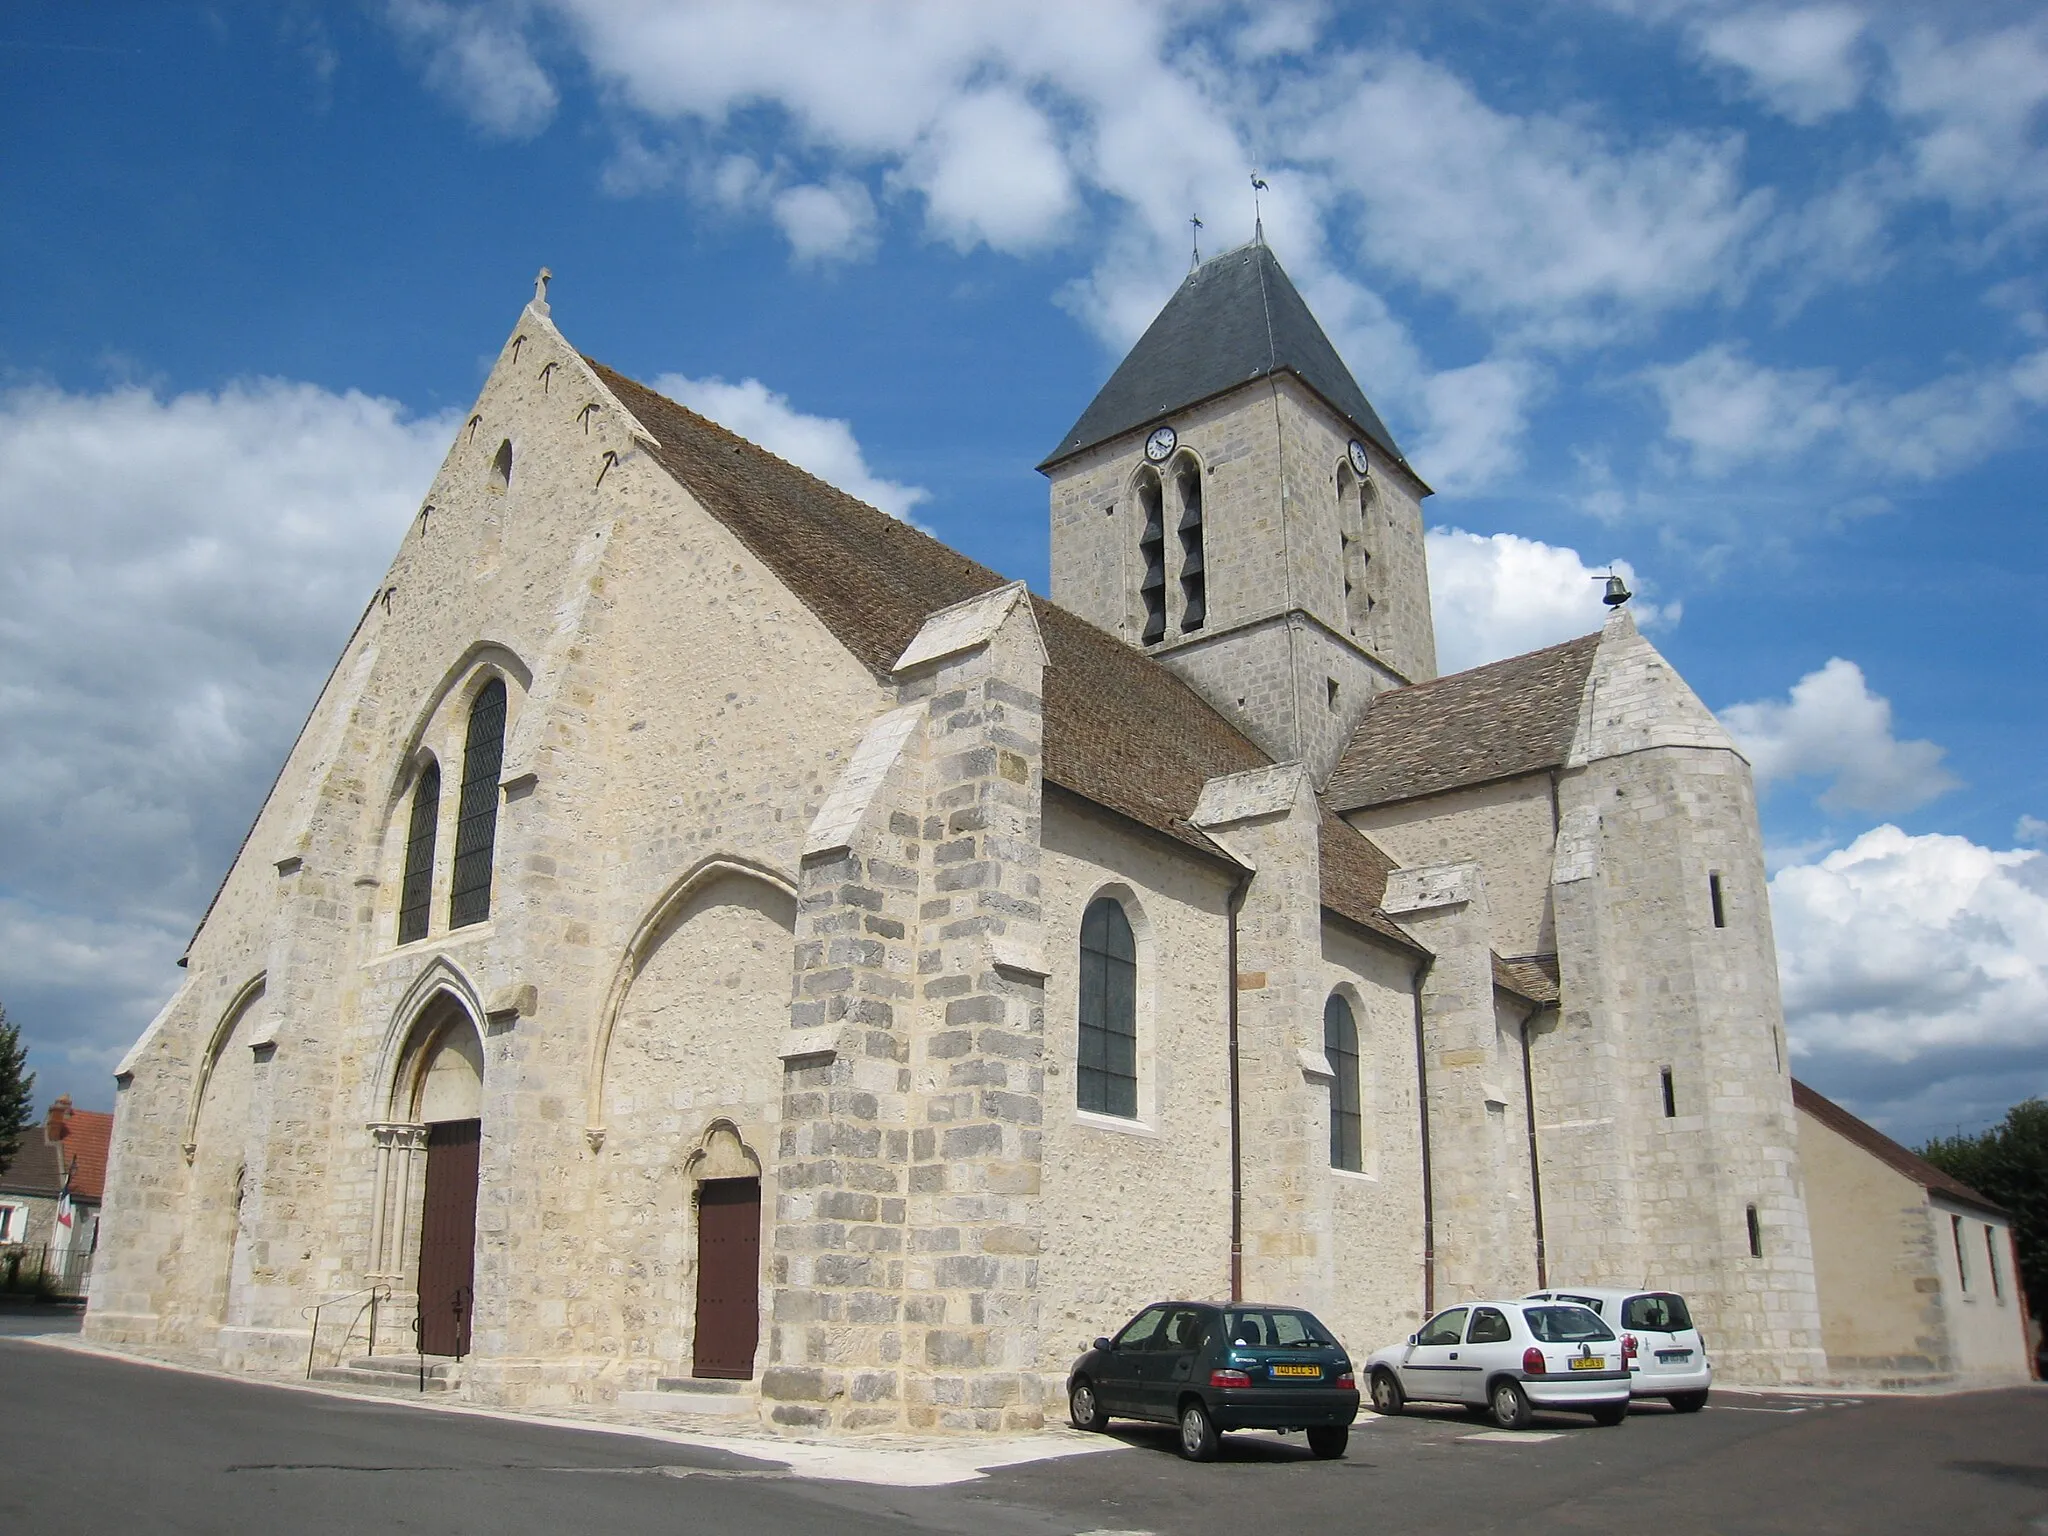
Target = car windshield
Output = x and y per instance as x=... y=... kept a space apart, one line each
x=1275 y=1328
x=1566 y=1325
x=1659 y=1313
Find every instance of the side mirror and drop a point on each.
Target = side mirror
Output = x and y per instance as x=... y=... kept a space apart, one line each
x=1412 y=1338
x=1102 y=1344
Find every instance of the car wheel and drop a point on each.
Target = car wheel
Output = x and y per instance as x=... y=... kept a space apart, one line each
x=1198 y=1437
x=1083 y=1411
x=1510 y=1405
x=1387 y=1396
x=1688 y=1402
x=1328 y=1441
x=1607 y=1415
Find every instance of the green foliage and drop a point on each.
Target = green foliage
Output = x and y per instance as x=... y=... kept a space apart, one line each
x=2009 y=1164
x=17 y=1090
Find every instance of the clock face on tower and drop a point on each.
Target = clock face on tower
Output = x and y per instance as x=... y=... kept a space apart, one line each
x=1160 y=444
x=1359 y=461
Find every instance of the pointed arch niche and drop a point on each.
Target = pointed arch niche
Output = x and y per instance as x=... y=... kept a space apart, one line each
x=686 y=1082
x=215 y=1149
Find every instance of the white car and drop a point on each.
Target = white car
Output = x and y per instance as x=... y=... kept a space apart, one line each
x=1666 y=1356
x=1509 y=1357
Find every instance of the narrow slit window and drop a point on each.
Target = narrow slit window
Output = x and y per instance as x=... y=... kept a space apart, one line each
x=1955 y=1229
x=1330 y=694
x=1714 y=896
x=1152 y=556
x=501 y=467
x=1194 y=580
x=1756 y=1235
x=476 y=823
x=416 y=895
x=1670 y=1097
x=1991 y=1261
x=1107 y=1080
x=1347 y=1119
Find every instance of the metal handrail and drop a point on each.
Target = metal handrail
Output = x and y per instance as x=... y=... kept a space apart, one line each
x=376 y=1293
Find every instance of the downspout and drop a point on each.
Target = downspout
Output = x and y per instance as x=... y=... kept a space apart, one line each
x=1422 y=1114
x=1237 y=895
x=1535 y=1167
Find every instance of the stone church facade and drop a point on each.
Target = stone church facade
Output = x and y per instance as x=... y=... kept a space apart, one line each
x=711 y=936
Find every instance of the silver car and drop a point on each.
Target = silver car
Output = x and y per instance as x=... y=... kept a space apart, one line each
x=1510 y=1358
x=1666 y=1355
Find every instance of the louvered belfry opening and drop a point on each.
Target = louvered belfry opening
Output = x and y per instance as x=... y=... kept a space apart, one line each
x=416 y=896
x=1347 y=1120
x=1152 y=554
x=1107 y=1075
x=476 y=825
x=1194 y=584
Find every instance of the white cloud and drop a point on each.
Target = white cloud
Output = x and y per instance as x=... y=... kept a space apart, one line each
x=1971 y=106
x=2032 y=830
x=1833 y=727
x=823 y=445
x=181 y=572
x=833 y=221
x=1476 y=416
x=1495 y=595
x=1802 y=62
x=991 y=173
x=1729 y=411
x=477 y=56
x=1902 y=948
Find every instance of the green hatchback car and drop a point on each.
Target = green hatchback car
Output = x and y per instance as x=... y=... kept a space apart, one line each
x=1210 y=1367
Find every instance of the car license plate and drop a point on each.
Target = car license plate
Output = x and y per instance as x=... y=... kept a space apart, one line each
x=1590 y=1363
x=1671 y=1356
x=1297 y=1370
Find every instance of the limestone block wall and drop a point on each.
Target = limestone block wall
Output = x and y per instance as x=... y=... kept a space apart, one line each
x=1978 y=1270
x=1508 y=828
x=1136 y=1210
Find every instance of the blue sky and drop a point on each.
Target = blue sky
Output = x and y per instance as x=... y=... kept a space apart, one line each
x=1746 y=296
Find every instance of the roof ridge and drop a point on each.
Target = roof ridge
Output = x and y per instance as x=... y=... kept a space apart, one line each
x=1901 y=1158
x=1410 y=689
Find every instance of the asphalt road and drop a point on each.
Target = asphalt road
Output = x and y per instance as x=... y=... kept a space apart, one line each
x=89 y=1445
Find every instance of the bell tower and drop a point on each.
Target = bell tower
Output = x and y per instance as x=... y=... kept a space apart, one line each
x=1232 y=504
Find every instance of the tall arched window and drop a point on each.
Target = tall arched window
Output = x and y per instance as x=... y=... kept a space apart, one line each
x=1152 y=554
x=1107 y=1082
x=416 y=896
x=1354 y=524
x=1194 y=582
x=1347 y=1126
x=476 y=823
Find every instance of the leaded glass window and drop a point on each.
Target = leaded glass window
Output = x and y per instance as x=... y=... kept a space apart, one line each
x=476 y=823
x=1347 y=1124
x=1107 y=1082
x=416 y=896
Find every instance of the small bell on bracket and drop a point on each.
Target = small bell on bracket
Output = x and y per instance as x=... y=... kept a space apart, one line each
x=1617 y=591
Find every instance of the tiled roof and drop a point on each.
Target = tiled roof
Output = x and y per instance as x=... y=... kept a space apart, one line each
x=1493 y=722
x=1355 y=878
x=87 y=1135
x=1120 y=729
x=1531 y=977
x=1236 y=317
x=1885 y=1150
x=34 y=1169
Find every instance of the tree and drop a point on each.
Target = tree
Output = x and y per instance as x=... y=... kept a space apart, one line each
x=17 y=1090
x=2009 y=1164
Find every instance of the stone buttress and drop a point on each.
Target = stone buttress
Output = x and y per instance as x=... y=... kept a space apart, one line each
x=903 y=1267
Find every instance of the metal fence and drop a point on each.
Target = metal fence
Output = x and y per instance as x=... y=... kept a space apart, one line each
x=58 y=1274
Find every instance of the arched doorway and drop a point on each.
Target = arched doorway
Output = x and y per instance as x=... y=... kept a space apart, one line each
x=437 y=1123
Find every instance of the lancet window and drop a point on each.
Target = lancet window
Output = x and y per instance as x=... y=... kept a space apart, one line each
x=1347 y=1119
x=476 y=825
x=1107 y=1079
x=416 y=896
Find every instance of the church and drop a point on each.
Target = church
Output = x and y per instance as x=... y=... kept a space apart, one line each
x=714 y=947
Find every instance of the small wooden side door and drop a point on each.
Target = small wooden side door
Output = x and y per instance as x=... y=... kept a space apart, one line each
x=448 y=1236
x=728 y=1278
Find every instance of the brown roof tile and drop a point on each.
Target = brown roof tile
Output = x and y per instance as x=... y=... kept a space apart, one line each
x=1493 y=722
x=1885 y=1150
x=87 y=1133
x=1355 y=878
x=1120 y=729
x=34 y=1168
x=1531 y=977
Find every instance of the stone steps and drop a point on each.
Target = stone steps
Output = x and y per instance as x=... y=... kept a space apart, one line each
x=395 y=1371
x=699 y=1395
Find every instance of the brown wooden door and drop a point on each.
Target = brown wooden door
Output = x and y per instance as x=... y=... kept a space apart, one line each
x=728 y=1277
x=448 y=1236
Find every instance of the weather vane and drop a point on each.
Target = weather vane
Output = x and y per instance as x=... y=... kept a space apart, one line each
x=1258 y=219
x=1195 y=223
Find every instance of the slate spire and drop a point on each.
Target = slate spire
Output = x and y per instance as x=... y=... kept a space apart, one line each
x=1236 y=318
